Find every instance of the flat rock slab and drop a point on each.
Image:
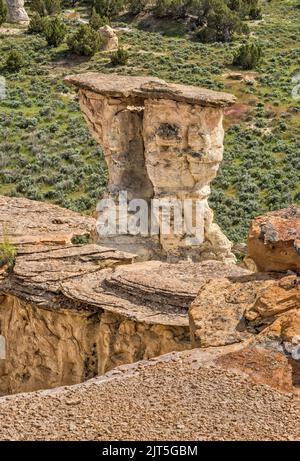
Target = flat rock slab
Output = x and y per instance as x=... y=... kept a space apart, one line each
x=148 y=88
x=27 y=222
x=38 y=276
x=11 y=31
x=150 y=292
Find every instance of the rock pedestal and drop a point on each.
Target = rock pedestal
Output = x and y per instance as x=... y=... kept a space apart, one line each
x=16 y=12
x=161 y=142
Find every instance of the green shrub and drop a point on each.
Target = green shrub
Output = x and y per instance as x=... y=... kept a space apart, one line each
x=119 y=57
x=136 y=6
x=219 y=23
x=52 y=6
x=39 y=7
x=85 y=42
x=7 y=251
x=255 y=13
x=109 y=8
x=54 y=31
x=14 y=61
x=97 y=21
x=248 y=56
x=36 y=25
x=3 y=11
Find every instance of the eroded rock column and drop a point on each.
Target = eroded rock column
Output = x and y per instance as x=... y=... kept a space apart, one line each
x=163 y=143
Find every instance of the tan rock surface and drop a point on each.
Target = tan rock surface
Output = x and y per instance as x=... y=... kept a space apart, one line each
x=150 y=292
x=263 y=365
x=109 y=37
x=274 y=240
x=72 y=312
x=17 y=12
x=161 y=141
x=216 y=315
x=28 y=222
x=180 y=396
x=148 y=87
x=264 y=307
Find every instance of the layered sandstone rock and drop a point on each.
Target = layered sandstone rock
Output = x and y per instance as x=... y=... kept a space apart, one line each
x=274 y=240
x=17 y=12
x=26 y=222
x=69 y=313
x=161 y=141
x=110 y=41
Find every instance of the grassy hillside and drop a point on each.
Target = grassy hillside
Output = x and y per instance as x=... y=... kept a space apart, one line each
x=47 y=153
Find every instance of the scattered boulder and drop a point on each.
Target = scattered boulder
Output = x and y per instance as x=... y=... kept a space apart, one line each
x=216 y=315
x=274 y=241
x=109 y=37
x=16 y=12
x=263 y=365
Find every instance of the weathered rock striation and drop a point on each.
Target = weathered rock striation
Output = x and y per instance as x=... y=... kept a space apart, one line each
x=16 y=12
x=161 y=142
x=70 y=312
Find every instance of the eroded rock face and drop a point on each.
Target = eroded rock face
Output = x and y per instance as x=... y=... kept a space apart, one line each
x=53 y=337
x=263 y=308
x=47 y=348
x=161 y=141
x=71 y=312
x=274 y=241
x=109 y=38
x=16 y=12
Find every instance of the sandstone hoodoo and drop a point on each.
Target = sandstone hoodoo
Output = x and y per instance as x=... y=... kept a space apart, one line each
x=161 y=141
x=16 y=12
